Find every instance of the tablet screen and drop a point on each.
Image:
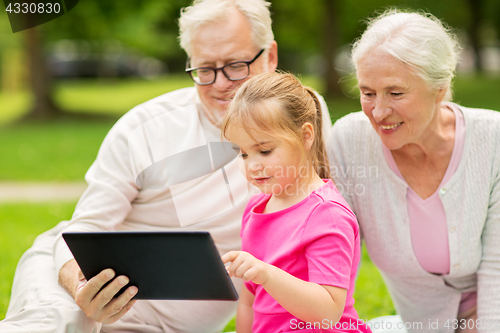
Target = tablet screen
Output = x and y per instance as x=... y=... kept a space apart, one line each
x=163 y=265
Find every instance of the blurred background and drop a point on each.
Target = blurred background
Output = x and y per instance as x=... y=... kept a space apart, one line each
x=63 y=84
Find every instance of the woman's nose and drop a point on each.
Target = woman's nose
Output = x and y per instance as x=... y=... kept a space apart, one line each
x=381 y=110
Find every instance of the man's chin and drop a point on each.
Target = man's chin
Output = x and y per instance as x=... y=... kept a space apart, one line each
x=215 y=115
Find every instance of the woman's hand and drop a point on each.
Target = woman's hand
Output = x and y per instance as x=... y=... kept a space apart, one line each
x=247 y=267
x=97 y=304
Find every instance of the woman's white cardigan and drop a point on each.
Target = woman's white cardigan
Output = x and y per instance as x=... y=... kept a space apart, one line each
x=471 y=200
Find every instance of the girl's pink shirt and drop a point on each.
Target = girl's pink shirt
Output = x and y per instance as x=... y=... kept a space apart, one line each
x=316 y=240
x=428 y=223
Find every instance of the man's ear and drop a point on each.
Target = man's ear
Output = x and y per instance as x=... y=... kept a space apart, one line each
x=308 y=135
x=272 y=57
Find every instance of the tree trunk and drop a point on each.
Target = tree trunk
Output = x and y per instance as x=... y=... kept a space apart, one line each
x=331 y=38
x=473 y=32
x=39 y=77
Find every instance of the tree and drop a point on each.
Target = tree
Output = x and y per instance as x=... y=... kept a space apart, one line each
x=39 y=78
x=331 y=45
x=475 y=7
x=150 y=26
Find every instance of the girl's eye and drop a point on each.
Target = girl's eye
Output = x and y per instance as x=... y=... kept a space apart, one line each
x=266 y=152
x=243 y=155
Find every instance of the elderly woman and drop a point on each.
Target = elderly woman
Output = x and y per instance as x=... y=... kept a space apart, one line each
x=422 y=175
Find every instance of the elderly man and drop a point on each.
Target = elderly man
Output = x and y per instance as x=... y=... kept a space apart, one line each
x=159 y=169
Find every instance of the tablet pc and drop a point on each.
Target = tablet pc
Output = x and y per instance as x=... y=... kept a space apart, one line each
x=163 y=265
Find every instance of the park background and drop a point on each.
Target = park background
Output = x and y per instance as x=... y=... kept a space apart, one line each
x=65 y=83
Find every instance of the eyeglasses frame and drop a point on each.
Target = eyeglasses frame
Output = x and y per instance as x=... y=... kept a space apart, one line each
x=247 y=62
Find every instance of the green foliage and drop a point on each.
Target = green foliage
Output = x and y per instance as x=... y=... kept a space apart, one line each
x=115 y=96
x=148 y=26
x=299 y=25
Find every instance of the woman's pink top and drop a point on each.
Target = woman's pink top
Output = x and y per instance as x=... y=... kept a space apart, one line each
x=315 y=240
x=428 y=224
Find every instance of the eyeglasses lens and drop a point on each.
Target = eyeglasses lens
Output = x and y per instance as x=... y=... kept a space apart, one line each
x=235 y=71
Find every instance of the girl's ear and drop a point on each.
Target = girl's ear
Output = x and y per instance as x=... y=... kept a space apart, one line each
x=307 y=135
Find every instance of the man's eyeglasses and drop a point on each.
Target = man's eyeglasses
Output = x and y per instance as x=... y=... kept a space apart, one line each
x=233 y=71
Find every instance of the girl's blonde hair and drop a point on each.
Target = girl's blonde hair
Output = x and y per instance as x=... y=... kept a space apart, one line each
x=297 y=104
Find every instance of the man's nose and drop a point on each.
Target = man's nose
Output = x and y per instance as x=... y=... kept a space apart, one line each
x=222 y=82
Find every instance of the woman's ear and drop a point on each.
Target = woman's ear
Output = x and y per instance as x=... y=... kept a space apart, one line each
x=442 y=92
x=307 y=135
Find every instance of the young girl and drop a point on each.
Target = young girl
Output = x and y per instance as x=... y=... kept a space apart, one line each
x=300 y=240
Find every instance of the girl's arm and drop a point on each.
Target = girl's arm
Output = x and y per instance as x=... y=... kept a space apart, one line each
x=244 y=316
x=307 y=301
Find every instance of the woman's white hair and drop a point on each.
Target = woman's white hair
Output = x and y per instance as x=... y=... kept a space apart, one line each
x=205 y=11
x=418 y=39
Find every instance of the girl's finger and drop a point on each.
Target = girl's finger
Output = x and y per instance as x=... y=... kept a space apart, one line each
x=230 y=256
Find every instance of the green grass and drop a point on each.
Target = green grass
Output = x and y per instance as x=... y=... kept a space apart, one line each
x=370 y=294
x=57 y=151
x=13 y=105
x=64 y=149
x=20 y=224
x=477 y=91
x=115 y=96
x=102 y=96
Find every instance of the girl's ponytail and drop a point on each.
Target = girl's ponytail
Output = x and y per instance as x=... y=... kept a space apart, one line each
x=322 y=164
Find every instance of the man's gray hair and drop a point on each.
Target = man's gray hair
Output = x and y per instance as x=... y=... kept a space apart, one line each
x=418 y=39
x=205 y=11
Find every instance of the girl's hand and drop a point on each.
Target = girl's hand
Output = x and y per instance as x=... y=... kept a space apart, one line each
x=247 y=267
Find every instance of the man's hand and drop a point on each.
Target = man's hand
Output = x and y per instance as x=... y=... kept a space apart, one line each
x=247 y=267
x=97 y=304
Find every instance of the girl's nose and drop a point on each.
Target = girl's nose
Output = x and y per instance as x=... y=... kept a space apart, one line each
x=254 y=166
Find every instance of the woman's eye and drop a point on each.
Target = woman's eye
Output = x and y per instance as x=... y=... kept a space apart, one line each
x=397 y=94
x=368 y=94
